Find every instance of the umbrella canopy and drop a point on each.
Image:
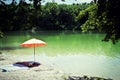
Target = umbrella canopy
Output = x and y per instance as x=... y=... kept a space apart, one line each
x=33 y=43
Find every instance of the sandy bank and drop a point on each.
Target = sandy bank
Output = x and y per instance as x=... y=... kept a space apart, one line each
x=42 y=72
x=46 y=71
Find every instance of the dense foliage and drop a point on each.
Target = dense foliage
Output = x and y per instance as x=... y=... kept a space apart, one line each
x=103 y=16
x=51 y=16
x=110 y=14
x=100 y=15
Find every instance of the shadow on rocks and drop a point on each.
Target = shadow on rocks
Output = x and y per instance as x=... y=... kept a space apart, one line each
x=85 y=78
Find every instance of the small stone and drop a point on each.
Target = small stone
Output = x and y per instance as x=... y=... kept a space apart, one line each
x=3 y=70
x=0 y=52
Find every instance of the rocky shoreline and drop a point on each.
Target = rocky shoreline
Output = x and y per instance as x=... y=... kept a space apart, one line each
x=85 y=78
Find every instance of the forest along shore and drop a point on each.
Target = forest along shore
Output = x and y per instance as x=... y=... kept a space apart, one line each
x=42 y=72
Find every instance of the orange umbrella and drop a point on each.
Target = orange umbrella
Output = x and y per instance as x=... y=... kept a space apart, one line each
x=33 y=43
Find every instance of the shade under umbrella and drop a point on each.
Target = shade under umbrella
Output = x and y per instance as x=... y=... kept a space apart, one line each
x=33 y=43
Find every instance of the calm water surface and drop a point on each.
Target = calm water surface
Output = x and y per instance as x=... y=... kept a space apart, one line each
x=76 y=53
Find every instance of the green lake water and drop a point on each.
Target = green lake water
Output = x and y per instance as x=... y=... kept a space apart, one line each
x=72 y=52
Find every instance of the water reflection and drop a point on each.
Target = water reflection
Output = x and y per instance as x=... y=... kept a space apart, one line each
x=63 y=43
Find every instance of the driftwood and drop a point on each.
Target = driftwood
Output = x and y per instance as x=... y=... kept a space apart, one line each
x=85 y=78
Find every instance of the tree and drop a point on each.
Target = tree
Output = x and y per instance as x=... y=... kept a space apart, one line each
x=87 y=19
x=36 y=4
x=110 y=10
x=103 y=16
x=66 y=17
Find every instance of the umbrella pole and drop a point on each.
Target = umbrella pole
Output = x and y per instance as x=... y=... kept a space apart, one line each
x=34 y=53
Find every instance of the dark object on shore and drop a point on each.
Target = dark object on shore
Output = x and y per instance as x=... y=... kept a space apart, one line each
x=2 y=57
x=0 y=52
x=27 y=64
x=85 y=78
x=3 y=70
